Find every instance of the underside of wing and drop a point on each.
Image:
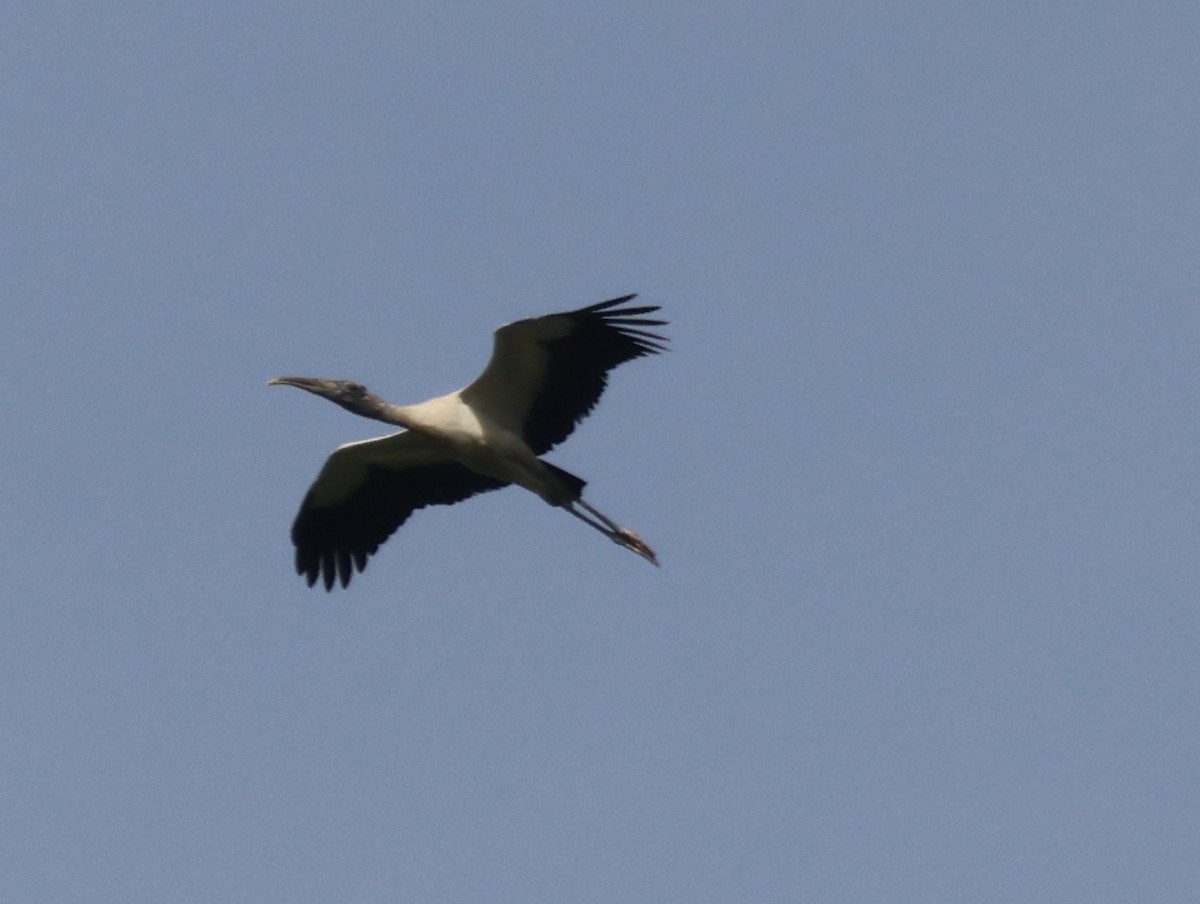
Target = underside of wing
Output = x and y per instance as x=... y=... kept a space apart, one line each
x=365 y=491
x=547 y=373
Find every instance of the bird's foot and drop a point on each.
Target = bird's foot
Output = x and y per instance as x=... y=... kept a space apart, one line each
x=631 y=541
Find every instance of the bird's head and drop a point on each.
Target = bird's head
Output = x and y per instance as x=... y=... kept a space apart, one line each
x=352 y=396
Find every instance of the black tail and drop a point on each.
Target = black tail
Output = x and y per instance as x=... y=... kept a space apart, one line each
x=573 y=483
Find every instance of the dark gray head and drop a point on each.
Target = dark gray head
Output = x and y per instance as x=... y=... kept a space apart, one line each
x=354 y=397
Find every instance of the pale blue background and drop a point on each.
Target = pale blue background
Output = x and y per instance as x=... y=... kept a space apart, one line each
x=921 y=466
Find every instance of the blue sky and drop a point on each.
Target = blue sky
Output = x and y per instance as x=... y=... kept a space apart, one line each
x=920 y=467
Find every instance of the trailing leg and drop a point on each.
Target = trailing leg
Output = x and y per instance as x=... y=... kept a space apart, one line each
x=620 y=535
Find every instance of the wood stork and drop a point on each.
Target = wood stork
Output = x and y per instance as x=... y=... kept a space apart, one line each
x=545 y=375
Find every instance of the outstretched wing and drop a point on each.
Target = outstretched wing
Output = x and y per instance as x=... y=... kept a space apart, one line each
x=547 y=373
x=364 y=492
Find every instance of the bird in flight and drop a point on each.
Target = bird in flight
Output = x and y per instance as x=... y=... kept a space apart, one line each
x=544 y=377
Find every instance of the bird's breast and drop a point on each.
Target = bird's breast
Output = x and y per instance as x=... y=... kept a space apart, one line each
x=482 y=444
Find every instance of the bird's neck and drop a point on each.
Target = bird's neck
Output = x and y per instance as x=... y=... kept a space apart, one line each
x=379 y=410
